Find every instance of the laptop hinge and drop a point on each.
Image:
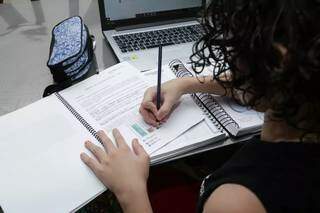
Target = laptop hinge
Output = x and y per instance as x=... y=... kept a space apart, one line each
x=153 y=24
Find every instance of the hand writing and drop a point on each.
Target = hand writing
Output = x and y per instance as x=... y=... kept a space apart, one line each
x=170 y=95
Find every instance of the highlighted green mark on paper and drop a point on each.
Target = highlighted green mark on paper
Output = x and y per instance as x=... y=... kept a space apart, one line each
x=139 y=130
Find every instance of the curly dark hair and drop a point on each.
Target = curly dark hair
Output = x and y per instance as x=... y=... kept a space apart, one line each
x=272 y=50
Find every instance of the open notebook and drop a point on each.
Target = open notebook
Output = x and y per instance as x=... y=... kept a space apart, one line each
x=223 y=111
x=40 y=144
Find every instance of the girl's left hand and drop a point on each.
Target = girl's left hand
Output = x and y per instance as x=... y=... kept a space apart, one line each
x=121 y=170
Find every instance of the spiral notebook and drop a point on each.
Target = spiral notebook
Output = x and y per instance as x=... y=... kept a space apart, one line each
x=225 y=114
x=40 y=144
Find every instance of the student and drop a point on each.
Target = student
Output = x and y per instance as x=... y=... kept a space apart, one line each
x=268 y=57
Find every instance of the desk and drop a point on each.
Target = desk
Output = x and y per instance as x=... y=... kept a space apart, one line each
x=25 y=34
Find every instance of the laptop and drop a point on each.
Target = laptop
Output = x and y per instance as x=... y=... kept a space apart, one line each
x=135 y=28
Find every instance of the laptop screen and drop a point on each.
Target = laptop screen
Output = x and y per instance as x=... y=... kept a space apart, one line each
x=128 y=9
x=118 y=13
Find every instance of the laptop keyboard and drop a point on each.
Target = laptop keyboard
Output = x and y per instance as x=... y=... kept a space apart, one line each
x=165 y=37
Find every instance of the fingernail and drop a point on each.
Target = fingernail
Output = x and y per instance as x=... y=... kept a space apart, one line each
x=136 y=141
x=82 y=156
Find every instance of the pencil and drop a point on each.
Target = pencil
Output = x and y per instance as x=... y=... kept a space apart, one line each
x=159 y=78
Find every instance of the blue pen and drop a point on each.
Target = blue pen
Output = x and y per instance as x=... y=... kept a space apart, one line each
x=159 y=78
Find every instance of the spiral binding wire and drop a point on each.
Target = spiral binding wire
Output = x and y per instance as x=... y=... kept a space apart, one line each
x=207 y=112
x=217 y=110
x=211 y=108
x=78 y=117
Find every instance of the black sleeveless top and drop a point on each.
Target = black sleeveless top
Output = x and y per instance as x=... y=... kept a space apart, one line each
x=284 y=176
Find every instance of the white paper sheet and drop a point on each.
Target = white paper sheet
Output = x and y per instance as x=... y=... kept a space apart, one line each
x=40 y=164
x=112 y=99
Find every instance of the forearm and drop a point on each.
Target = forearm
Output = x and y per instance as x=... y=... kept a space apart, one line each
x=135 y=202
x=202 y=85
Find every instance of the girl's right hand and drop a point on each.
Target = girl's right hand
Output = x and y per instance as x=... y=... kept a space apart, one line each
x=171 y=91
